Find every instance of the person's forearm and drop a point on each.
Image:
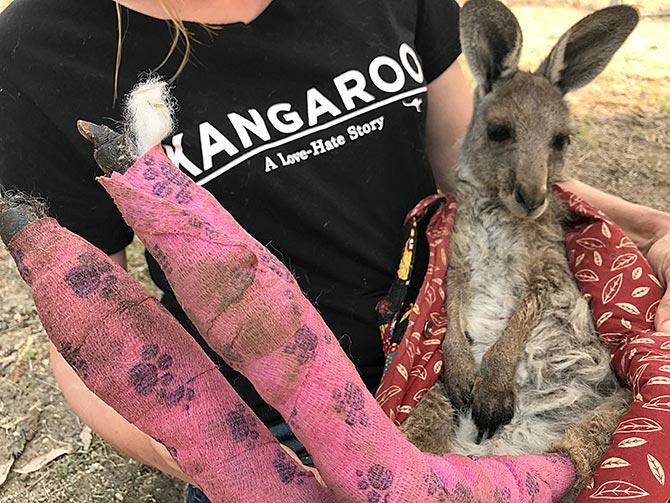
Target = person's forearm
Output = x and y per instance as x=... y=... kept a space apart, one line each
x=108 y=424
x=449 y=111
x=642 y=224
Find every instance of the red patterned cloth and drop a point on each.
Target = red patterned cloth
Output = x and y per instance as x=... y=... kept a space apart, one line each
x=414 y=359
x=623 y=293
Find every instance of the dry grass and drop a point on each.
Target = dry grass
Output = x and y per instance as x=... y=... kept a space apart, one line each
x=622 y=145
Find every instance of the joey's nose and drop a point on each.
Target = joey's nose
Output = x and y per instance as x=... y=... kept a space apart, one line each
x=530 y=199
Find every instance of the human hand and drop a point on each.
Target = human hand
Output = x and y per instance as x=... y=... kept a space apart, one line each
x=648 y=228
x=658 y=255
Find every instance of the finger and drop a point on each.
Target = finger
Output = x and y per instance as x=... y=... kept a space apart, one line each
x=662 y=319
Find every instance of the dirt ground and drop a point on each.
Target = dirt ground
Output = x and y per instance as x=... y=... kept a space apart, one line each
x=622 y=145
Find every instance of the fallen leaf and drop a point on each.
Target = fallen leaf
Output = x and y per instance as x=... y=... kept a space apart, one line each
x=41 y=461
x=86 y=436
x=4 y=470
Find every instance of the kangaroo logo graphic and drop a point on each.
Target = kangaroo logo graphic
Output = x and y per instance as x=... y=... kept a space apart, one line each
x=416 y=103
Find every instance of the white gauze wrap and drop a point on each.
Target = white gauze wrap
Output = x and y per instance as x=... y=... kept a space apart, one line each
x=149 y=114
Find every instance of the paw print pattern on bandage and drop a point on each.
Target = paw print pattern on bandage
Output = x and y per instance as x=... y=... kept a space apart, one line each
x=376 y=483
x=275 y=265
x=303 y=346
x=72 y=356
x=243 y=426
x=351 y=404
x=161 y=258
x=169 y=180
x=91 y=275
x=162 y=189
x=295 y=308
x=19 y=257
x=288 y=469
x=532 y=487
x=462 y=494
x=435 y=487
x=152 y=376
x=502 y=495
x=206 y=228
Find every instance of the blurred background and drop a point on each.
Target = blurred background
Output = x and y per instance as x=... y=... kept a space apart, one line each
x=622 y=145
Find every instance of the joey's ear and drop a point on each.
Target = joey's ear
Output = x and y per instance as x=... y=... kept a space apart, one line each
x=491 y=41
x=586 y=48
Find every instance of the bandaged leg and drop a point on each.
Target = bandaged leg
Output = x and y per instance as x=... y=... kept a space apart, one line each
x=131 y=353
x=251 y=311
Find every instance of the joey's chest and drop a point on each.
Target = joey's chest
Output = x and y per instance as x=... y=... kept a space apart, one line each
x=493 y=253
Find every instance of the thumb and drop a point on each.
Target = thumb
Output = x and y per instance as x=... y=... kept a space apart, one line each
x=662 y=319
x=659 y=258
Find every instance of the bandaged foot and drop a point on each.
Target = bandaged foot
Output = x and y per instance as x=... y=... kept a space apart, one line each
x=251 y=311
x=133 y=355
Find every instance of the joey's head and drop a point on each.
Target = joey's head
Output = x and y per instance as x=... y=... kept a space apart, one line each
x=520 y=129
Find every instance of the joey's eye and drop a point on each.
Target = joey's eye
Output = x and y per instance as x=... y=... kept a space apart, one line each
x=499 y=132
x=560 y=141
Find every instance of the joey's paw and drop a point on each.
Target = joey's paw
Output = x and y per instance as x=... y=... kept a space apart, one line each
x=17 y=210
x=429 y=426
x=111 y=150
x=492 y=408
x=458 y=379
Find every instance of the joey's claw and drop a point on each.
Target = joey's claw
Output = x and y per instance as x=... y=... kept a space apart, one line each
x=97 y=134
x=111 y=150
x=491 y=408
x=16 y=212
x=458 y=382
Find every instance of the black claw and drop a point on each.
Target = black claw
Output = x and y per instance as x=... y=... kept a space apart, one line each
x=17 y=211
x=111 y=150
x=97 y=134
x=488 y=423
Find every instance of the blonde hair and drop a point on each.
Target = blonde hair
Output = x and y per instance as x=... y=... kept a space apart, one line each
x=180 y=32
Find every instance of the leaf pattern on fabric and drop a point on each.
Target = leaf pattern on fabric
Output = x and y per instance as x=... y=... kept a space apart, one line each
x=619 y=490
x=656 y=469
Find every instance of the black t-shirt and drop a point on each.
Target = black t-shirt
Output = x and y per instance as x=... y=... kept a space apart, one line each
x=307 y=125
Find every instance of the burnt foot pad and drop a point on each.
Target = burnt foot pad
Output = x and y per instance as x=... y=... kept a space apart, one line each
x=17 y=210
x=112 y=151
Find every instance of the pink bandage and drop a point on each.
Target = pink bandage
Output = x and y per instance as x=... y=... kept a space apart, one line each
x=251 y=311
x=131 y=353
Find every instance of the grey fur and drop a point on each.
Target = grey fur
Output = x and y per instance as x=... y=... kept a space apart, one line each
x=539 y=368
x=586 y=48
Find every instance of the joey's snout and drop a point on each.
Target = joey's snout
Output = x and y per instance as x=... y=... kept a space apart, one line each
x=527 y=200
x=531 y=198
